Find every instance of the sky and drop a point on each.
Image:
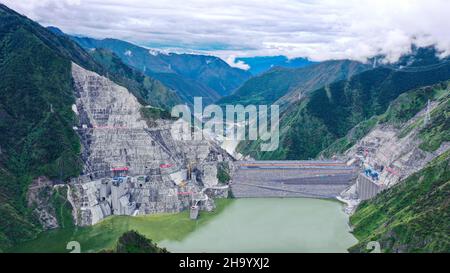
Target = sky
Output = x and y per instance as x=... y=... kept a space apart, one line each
x=317 y=29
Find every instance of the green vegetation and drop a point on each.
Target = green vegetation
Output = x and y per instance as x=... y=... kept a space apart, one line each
x=153 y=113
x=356 y=134
x=410 y=217
x=407 y=105
x=329 y=114
x=400 y=111
x=437 y=130
x=270 y=87
x=133 y=242
x=105 y=235
x=146 y=89
x=223 y=173
x=36 y=119
x=62 y=207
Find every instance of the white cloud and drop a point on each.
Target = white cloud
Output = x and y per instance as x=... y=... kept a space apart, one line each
x=318 y=29
x=231 y=61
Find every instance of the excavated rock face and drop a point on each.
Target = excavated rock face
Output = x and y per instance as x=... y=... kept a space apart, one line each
x=396 y=157
x=115 y=137
x=39 y=194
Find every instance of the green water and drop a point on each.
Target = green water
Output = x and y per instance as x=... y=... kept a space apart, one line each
x=272 y=225
x=242 y=225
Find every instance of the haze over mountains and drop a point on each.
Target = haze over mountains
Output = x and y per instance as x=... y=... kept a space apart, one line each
x=259 y=65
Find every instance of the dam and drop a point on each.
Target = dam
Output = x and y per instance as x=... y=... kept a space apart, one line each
x=291 y=179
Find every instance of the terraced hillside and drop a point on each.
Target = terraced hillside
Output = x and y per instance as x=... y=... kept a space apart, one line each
x=148 y=90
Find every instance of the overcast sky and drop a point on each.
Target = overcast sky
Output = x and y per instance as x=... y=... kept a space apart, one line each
x=318 y=29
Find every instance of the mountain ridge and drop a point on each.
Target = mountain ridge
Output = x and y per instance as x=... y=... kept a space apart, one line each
x=260 y=65
x=327 y=114
x=284 y=86
x=190 y=75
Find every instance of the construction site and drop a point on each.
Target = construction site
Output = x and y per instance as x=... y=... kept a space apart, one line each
x=387 y=155
x=132 y=166
x=135 y=167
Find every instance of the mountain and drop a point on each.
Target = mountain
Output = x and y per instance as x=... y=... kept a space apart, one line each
x=36 y=117
x=69 y=115
x=133 y=242
x=401 y=119
x=329 y=113
x=410 y=217
x=409 y=141
x=409 y=145
x=148 y=90
x=39 y=145
x=189 y=75
x=259 y=65
x=284 y=86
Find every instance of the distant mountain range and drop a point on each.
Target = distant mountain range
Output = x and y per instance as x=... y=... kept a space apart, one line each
x=311 y=124
x=189 y=75
x=259 y=65
x=284 y=86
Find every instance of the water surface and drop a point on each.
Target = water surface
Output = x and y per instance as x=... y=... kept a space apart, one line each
x=272 y=225
x=239 y=225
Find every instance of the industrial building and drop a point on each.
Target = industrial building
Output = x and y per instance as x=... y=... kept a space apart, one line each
x=367 y=188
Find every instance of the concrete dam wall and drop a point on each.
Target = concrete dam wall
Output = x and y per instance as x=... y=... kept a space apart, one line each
x=309 y=179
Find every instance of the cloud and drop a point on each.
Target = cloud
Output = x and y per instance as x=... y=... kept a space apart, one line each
x=231 y=60
x=318 y=29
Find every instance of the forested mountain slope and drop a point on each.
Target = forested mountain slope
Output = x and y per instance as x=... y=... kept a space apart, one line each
x=410 y=217
x=148 y=90
x=285 y=86
x=189 y=75
x=36 y=117
x=329 y=113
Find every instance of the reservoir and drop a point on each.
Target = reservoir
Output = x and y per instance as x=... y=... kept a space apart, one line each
x=268 y=225
x=272 y=225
